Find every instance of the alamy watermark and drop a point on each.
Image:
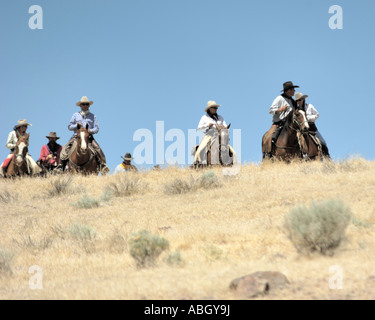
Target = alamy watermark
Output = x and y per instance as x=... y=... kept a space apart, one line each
x=36 y=280
x=36 y=20
x=336 y=21
x=154 y=150
x=335 y=282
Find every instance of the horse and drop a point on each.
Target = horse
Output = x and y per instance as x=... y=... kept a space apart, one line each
x=311 y=146
x=18 y=165
x=288 y=143
x=83 y=157
x=224 y=152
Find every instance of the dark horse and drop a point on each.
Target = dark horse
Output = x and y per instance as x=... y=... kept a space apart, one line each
x=225 y=152
x=83 y=157
x=288 y=144
x=18 y=164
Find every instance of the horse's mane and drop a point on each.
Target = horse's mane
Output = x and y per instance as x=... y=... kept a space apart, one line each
x=289 y=120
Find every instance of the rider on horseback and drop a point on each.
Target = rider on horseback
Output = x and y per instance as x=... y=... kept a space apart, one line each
x=83 y=118
x=280 y=109
x=312 y=115
x=50 y=152
x=210 y=139
x=18 y=130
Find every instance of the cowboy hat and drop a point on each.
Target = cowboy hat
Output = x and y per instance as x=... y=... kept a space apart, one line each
x=21 y=123
x=288 y=85
x=128 y=156
x=84 y=99
x=52 y=135
x=300 y=95
x=211 y=104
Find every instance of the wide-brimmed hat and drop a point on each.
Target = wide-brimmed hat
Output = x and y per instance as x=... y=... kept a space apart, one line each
x=288 y=85
x=20 y=123
x=84 y=99
x=211 y=104
x=52 y=135
x=300 y=95
x=128 y=156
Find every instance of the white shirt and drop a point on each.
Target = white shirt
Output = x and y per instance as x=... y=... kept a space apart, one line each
x=206 y=120
x=311 y=113
x=12 y=140
x=279 y=102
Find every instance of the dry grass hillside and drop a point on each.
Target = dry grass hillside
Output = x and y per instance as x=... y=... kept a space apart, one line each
x=77 y=231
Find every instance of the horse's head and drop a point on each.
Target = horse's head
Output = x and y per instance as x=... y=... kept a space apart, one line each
x=223 y=134
x=21 y=149
x=83 y=137
x=299 y=118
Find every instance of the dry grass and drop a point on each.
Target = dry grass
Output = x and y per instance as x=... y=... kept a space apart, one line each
x=215 y=235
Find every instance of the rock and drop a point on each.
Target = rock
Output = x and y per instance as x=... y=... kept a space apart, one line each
x=257 y=283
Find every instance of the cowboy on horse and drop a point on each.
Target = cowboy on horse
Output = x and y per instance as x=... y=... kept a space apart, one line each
x=126 y=165
x=210 y=123
x=49 y=156
x=19 y=130
x=312 y=115
x=280 y=109
x=79 y=119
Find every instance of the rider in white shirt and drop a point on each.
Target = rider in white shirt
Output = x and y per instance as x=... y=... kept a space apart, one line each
x=312 y=115
x=280 y=109
x=206 y=124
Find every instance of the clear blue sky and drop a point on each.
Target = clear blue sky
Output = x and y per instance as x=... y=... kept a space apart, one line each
x=143 y=61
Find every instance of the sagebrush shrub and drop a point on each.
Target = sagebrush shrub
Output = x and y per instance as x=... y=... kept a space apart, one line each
x=175 y=259
x=145 y=248
x=208 y=180
x=82 y=232
x=87 y=202
x=178 y=186
x=59 y=186
x=320 y=227
x=124 y=186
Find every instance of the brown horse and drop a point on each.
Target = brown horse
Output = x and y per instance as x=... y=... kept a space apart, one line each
x=18 y=164
x=83 y=157
x=288 y=144
x=311 y=146
x=225 y=153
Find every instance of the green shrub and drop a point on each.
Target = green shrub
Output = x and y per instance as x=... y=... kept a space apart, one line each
x=178 y=186
x=87 y=203
x=145 y=248
x=82 y=232
x=175 y=259
x=320 y=227
x=208 y=180
x=84 y=236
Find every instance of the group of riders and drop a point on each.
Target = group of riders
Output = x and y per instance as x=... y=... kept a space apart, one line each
x=54 y=156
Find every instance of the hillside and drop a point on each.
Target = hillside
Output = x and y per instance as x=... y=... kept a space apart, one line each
x=214 y=235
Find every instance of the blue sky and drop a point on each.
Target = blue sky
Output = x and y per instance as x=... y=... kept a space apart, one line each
x=143 y=61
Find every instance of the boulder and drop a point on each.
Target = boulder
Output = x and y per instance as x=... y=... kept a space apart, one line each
x=258 y=283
